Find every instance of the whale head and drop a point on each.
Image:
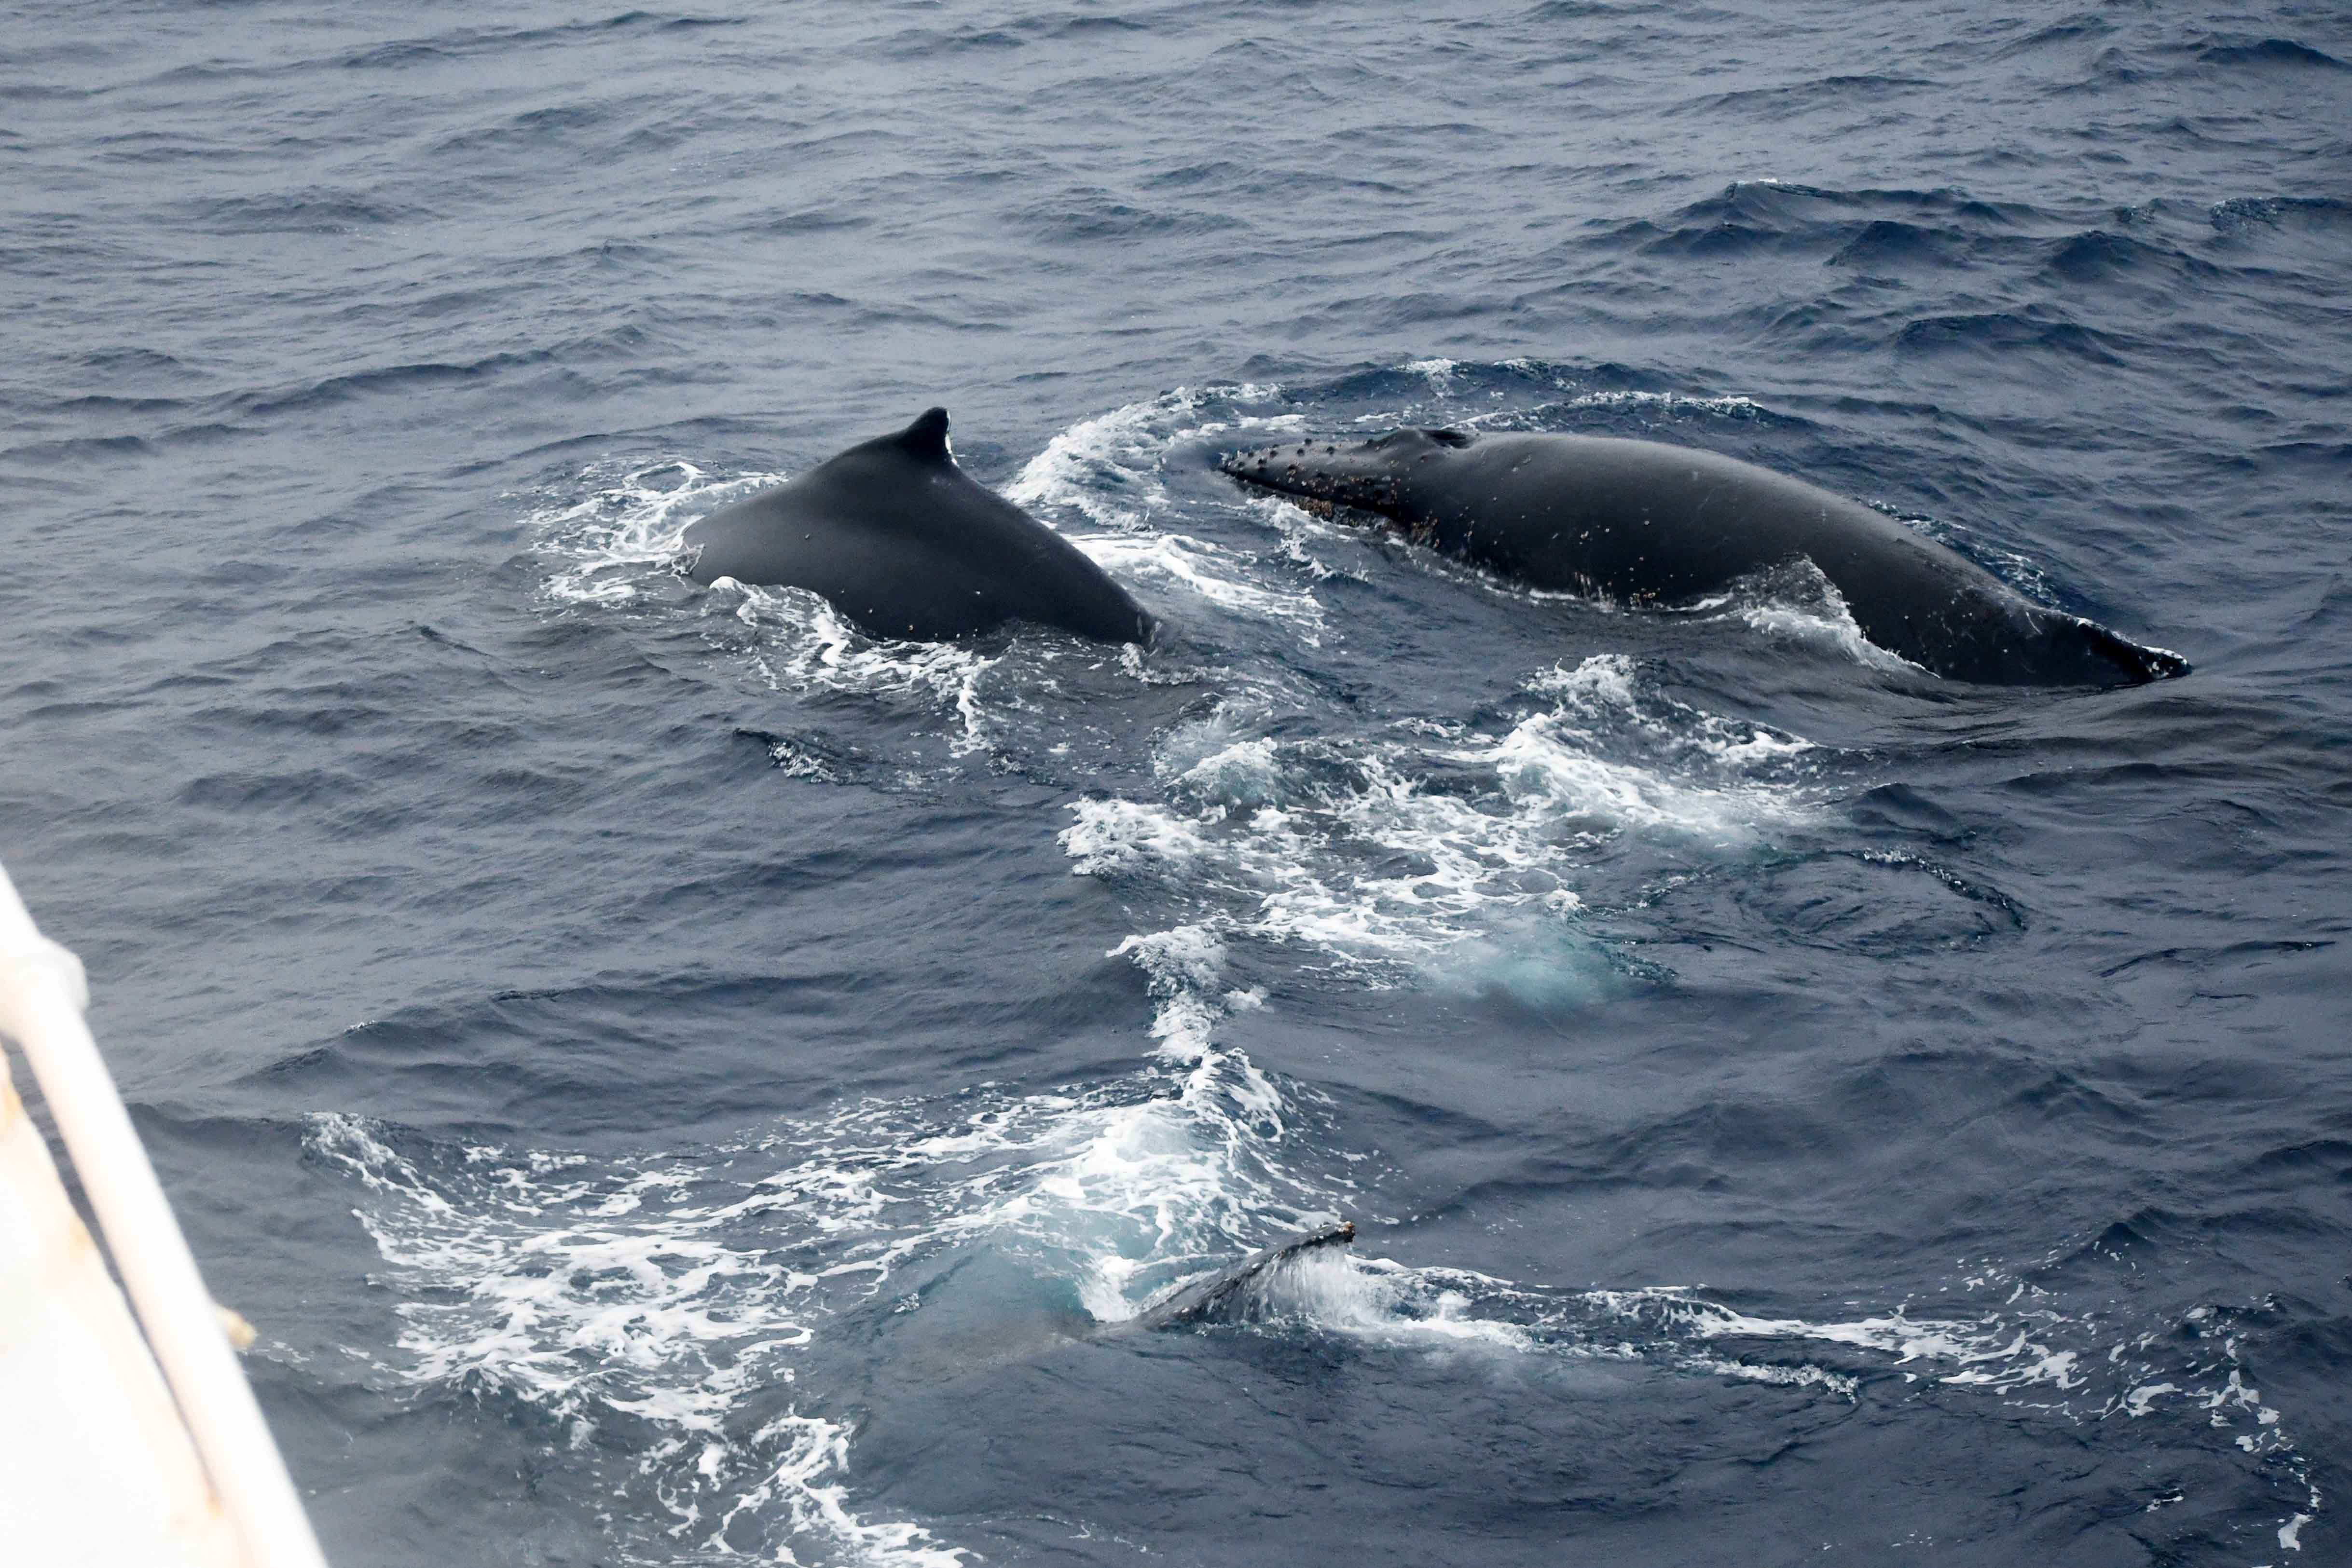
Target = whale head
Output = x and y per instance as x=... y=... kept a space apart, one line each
x=1375 y=476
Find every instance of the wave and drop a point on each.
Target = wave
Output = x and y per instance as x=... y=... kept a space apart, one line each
x=2044 y=329
x=393 y=379
x=465 y=42
x=2269 y=52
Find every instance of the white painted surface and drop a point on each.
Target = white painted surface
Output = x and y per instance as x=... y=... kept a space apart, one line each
x=110 y=1454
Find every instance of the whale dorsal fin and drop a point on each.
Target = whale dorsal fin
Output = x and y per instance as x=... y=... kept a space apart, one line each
x=926 y=438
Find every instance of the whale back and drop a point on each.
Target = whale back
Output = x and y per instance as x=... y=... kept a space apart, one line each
x=1643 y=522
x=903 y=543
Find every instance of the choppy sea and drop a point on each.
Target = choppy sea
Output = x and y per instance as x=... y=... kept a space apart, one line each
x=676 y=1082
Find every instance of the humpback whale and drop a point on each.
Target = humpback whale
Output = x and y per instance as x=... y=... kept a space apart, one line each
x=903 y=543
x=1647 y=523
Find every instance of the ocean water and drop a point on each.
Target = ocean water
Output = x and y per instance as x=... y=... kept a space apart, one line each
x=676 y=1082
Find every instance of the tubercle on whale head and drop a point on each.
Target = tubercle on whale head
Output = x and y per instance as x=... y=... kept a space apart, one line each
x=1375 y=475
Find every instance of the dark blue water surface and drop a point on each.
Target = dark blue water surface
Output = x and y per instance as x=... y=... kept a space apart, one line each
x=674 y=1081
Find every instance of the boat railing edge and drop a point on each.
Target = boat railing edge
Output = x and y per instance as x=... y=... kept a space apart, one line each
x=44 y=994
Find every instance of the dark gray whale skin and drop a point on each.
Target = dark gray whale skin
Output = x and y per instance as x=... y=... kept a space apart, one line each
x=902 y=542
x=1647 y=523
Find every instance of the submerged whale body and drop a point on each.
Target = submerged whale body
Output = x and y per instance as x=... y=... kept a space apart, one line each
x=902 y=542
x=968 y=1330
x=1647 y=523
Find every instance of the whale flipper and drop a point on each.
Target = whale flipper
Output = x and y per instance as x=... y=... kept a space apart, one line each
x=2138 y=662
x=1202 y=1300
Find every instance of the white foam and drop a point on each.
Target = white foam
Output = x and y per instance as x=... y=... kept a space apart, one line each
x=1969 y=1347
x=814 y=1450
x=1731 y=407
x=2017 y=1355
x=799 y=642
x=1339 y=852
x=1107 y=468
x=628 y=531
x=1837 y=633
x=635 y=1292
x=1383 y=1302
x=1224 y=579
x=1438 y=373
x=670 y=1290
x=1556 y=766
x=1111 y=469
x=2025 y=1352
